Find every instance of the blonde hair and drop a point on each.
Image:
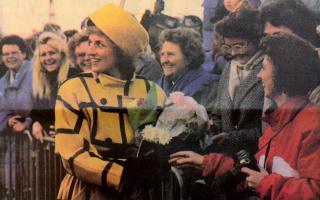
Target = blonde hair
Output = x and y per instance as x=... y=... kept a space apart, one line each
x=41 y=86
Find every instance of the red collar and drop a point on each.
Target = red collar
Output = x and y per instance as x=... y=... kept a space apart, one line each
x=284 y=114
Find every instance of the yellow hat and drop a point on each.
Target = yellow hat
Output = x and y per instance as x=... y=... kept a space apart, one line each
x=121 y=27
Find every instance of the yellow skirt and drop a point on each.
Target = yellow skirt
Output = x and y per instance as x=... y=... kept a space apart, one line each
x=75 y=189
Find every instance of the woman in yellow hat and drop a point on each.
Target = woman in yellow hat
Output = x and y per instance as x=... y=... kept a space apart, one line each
x=92 y=124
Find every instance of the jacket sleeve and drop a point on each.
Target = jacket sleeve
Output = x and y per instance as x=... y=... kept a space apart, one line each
x=4 y=117
x=215 y=110
x=307 y=186
x=38 y=115
x=79 y=157
x=207 y=95
x=214 y=165
x=217 y=105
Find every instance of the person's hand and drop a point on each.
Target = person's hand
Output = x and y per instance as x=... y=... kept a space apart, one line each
x=13 y=120
x=19 y=127
x=254 y=177
x=186 y=157
x=52 y=131
x=220 y=138
x=37 y=131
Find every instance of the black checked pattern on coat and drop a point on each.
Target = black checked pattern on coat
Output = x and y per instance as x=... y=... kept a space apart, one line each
x=240 y=117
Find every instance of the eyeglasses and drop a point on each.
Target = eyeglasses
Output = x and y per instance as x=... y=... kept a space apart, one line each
x=236 y=48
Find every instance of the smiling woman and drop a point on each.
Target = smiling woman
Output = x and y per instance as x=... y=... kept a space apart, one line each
x=181 y=56
x=102 y=54
x=13 y=57
x=50 y=58
x=15 y=105
x=288 y=154
x=94 y=132
x=51 y=68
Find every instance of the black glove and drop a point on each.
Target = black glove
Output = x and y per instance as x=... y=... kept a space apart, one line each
x=200 y=191
x=148 y=163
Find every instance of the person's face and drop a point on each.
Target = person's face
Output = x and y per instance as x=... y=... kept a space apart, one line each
x=101 y=54
x=172 y=59
x=219 y=50
x=82 y=58
x=266 y=76
x=50 y=58
x=12 y=56
x=239 y=50
x=230 y=5
x=269 y=29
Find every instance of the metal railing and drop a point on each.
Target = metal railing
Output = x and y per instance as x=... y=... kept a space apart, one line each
x=31 y=170
x=49 y=170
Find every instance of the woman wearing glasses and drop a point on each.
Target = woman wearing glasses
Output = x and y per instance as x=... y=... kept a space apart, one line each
x=50 y=70
x=288 y=155
x=240 y=100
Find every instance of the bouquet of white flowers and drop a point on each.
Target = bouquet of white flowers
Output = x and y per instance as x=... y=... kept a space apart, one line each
x=180 y=126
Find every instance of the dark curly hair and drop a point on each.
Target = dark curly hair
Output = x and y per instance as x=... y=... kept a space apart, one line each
x=242 y=24
x=190 y=43
x=14 y=40
x=74 y=42
x=296 y=64
x=294 y=15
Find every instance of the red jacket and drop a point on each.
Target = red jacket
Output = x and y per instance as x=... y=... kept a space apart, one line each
x=293 y=160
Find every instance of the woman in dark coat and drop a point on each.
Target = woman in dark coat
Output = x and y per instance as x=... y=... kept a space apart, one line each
x=181 y=56
x=51 y=69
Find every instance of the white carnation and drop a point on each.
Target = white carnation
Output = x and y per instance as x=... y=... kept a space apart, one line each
x=156 y=135
x=150 y=134
x=164 y=137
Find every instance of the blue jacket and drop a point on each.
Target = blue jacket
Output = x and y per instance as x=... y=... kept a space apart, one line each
x=189 y=82
x=17 y=98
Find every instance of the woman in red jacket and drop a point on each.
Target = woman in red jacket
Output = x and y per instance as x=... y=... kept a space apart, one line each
x=289 y=150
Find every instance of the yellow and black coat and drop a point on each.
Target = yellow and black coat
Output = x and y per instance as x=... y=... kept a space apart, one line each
x=91 y=117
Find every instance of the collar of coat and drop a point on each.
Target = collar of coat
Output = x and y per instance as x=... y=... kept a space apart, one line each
x=284 y=114
x=110 y=81
x=254 y=61
x=19 y=77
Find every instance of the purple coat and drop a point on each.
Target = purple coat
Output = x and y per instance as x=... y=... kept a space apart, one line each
x=17 y=98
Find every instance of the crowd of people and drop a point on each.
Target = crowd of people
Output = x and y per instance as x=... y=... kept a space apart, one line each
x=261 y=92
